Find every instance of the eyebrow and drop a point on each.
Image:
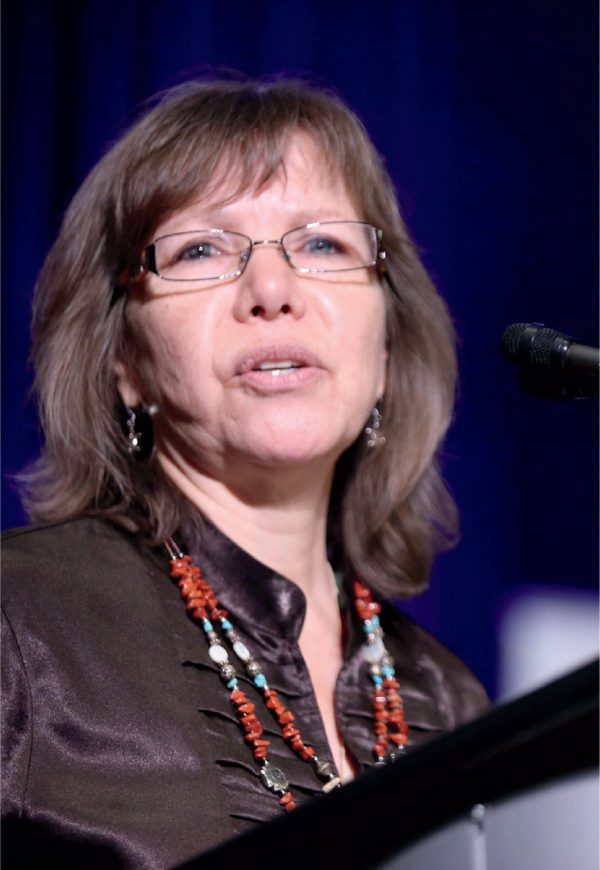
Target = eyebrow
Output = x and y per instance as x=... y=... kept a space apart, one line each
x=218 y=219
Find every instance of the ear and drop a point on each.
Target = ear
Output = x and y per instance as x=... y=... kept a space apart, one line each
x=127 y=386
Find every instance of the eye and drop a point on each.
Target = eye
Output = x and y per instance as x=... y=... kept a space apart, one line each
x=318 y=245
x=323 y=245
x=199 y=250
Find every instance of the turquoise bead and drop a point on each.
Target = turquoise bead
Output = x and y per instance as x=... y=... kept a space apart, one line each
x=226 y=625
x=260 y=680
x=388 y=671
x=369 y=625
x=232 y=684
x=377 y=680
x=207 y=625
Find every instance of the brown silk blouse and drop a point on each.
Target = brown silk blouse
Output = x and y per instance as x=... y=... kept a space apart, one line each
x=120 y=745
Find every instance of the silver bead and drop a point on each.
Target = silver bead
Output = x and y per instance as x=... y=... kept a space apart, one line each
x=322 y=768
x=273 y=777
x=214 y=637
x=252 y=668
x=227 y=671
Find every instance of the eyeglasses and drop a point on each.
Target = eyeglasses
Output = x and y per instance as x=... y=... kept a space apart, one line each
x=320 y=247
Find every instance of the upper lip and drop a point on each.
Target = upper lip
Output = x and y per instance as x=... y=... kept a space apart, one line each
x=295 y=353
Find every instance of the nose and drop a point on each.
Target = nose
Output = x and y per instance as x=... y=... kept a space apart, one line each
x=269 y=287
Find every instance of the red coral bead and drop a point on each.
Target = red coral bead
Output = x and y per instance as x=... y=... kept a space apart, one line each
x=288 y=731
x=360 y=590
x=198 y=596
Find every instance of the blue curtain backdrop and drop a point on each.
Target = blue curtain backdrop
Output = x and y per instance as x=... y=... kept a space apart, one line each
x=486 y=114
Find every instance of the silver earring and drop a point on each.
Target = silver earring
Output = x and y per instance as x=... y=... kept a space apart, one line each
x=374 y=437
x=134 y=438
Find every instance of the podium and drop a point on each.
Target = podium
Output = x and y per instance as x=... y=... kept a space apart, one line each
x=516 y=789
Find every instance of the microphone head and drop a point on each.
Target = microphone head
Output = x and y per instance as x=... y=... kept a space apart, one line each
x=529 y=343
x=551 y=365
x=511 y=338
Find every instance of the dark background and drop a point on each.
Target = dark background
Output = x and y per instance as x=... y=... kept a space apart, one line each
x=487 y=115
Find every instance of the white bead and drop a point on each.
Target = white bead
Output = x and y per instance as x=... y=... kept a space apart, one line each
x=218 y=654
x=374 y=651
x=241 y=651
x=333 y=783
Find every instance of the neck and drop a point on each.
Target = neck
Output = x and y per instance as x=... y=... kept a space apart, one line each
x=279 y=517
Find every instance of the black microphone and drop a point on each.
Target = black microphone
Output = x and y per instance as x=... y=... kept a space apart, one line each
x=552 y=365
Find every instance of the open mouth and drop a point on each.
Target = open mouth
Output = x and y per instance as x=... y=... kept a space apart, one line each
x=278 y=367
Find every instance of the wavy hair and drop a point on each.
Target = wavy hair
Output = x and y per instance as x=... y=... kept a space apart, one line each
x=390 y=511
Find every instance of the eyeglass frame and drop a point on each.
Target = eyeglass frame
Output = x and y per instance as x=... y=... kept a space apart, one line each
x=380 y=256
x=150 y=253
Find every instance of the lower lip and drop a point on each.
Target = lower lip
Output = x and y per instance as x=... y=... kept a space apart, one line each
x=284 y=381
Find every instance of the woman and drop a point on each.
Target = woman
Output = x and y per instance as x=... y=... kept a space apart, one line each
x=241 y=359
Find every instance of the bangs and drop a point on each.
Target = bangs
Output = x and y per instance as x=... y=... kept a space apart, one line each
x=199 y=151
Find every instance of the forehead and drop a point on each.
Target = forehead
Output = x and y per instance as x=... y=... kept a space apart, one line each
x=305 y=185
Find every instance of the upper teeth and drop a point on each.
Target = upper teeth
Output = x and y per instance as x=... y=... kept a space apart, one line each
x=274 y=366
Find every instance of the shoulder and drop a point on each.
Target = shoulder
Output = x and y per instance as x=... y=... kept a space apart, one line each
x=83 y=597
x=85 y=561
x=66 y=547
x=458 y=694
x=60 y=541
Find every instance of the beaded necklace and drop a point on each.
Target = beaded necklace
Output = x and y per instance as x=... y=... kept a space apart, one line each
x=388 y=712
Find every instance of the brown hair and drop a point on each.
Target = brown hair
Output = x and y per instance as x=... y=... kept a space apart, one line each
x=390 y=511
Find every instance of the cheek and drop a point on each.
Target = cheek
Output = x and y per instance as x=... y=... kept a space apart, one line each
x=365 y=339
x=170 y=352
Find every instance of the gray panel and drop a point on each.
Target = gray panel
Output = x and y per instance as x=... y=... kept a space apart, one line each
x=552 y=827
x=459 y=846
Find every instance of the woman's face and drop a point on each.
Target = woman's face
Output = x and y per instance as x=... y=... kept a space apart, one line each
x=200 y=356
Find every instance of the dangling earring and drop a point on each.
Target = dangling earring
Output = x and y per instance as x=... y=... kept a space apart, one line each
x=139 y=431
x=134 y=438
x=373 y=435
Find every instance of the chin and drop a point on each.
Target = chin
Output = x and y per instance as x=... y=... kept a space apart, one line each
x=295 y=448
